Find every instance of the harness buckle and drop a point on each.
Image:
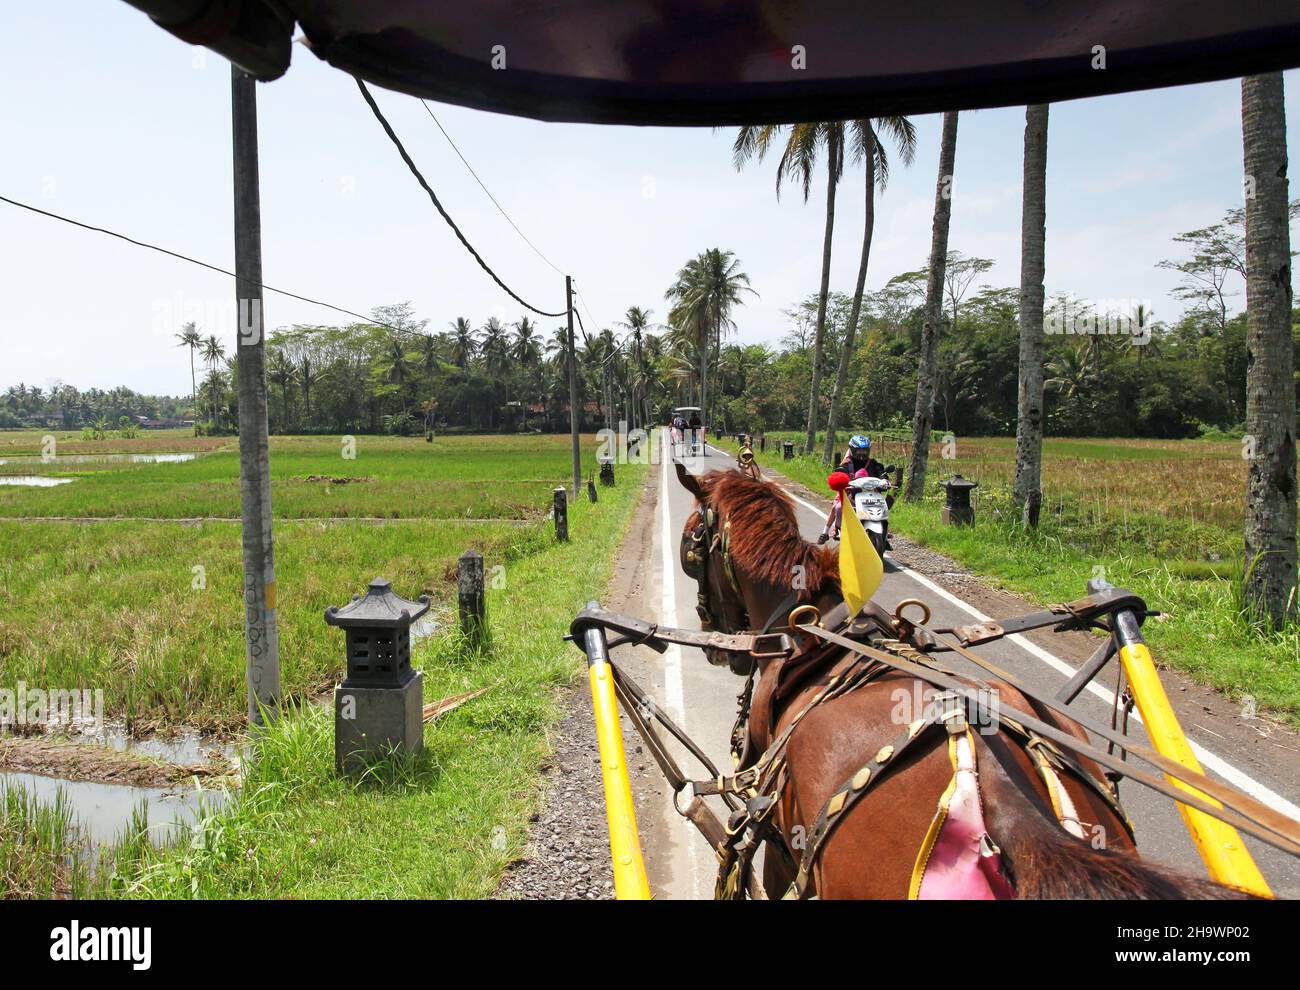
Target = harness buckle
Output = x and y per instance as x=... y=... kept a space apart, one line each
x=769 y=645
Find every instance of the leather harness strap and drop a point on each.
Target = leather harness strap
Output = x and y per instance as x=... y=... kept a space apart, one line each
x=1268 y=826
x=849 y=793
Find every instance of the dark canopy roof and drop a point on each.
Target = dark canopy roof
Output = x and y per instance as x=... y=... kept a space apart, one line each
x=733 y=61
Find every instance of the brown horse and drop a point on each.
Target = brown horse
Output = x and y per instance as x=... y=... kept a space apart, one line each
x=746 y=573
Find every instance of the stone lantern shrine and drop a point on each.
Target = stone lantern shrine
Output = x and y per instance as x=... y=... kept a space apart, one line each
x=379 y=706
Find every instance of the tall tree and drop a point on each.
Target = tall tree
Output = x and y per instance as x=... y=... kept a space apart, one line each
x=798 y=160
x=1270 y=530
x=190 y=337
x=213 y=352
x=463 y=342
x=923 y=415
x=281 y=371
x=707 y=290
x=1033 y=236
x=636 y=321
x=867 y=148
x=959 y=272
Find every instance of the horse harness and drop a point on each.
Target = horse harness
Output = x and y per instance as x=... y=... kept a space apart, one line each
x=801 y=652
x=876 y=643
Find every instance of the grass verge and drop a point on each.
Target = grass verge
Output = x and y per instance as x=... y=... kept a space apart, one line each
x=444 y=824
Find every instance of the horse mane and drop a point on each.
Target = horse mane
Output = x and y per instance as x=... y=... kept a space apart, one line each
x=765 y=540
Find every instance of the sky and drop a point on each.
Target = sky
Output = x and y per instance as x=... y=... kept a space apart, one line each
x=112 y=121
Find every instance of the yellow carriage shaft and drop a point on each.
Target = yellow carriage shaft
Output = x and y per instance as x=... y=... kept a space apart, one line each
x=630 y=881
x=1220 y=845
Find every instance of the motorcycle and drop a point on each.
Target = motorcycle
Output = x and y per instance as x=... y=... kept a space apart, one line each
x=871 y=506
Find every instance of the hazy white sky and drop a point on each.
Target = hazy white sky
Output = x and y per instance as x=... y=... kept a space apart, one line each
x=110 y=120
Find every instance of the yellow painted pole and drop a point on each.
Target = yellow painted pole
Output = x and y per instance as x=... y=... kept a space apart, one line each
x=630 y=881
x=1226 y=857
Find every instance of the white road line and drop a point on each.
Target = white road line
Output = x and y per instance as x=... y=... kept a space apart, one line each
x=674 y=689
x=1209 y=760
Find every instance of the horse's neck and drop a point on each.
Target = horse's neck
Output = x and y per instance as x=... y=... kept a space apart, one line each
x=764 y=710
x=761 y=600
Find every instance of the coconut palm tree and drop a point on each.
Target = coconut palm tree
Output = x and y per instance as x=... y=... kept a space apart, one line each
x=708 y=289
x=1071 y=372
x=1033 y=236
x=282 y=372
x=213 y=352
x=804 y=143
x=636 y=321
x=494 y=347
x=1270 y=526
x=527 y=345
x=923 y=414
x=215 y=387
x=463 y=342
x=309 y=376
x=428 y=353
x=865 y=146
x=397 y=368
x=190 y=337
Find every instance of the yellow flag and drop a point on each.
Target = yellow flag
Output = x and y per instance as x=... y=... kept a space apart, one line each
x=861 y=568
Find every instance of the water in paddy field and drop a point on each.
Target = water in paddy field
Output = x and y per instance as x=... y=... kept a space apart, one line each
x=36 y=481
x=100 y=459
x=104 y=810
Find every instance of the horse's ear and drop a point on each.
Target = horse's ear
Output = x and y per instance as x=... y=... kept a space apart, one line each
x=689 y=481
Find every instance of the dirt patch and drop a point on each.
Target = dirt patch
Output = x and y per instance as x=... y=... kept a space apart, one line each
x=70 y=761
x=332 y=479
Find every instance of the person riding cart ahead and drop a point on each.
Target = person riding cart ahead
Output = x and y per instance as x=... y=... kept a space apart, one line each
x=857 y=463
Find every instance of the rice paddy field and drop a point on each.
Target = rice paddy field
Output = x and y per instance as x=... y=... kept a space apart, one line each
x=124 y=575
x=1160 y=517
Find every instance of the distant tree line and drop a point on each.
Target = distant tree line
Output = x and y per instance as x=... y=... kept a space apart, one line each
x=65 y=407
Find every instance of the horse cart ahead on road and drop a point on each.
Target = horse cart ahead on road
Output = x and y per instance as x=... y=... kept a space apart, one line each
x=690 y=438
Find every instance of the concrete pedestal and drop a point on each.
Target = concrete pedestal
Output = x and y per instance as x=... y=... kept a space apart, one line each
x=957 y=515
x=371 y=722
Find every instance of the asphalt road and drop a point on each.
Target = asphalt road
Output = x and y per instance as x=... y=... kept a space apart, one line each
x=702 y=699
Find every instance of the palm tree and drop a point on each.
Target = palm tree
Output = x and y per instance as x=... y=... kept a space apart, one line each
x=636 y=321
x=798 y=159
x=494 y=347
x=397 y=368
x=463 y=342
x=708 y=288
x=282 y=372
x=527 y=346
x=308 y=378
x=866 y=147
x=215 y=385
x=923 y=414
x=213 y=352
x=1033 y=235
x=428 y=353
x=1270 y=527
x=190 y=337
x=1071 y=372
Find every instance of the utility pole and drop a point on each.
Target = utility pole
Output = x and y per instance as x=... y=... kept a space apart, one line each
x=262 y=652
x=573 y=391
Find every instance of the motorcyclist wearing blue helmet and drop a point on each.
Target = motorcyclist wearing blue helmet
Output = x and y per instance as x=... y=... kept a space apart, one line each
x=857 y=459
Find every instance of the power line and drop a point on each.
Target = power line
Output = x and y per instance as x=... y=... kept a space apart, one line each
x=401 y=150
x=499 y=207
x=204 y=264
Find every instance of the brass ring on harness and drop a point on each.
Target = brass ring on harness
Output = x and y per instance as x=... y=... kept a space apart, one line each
x=898 y=611
x=795 y=614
